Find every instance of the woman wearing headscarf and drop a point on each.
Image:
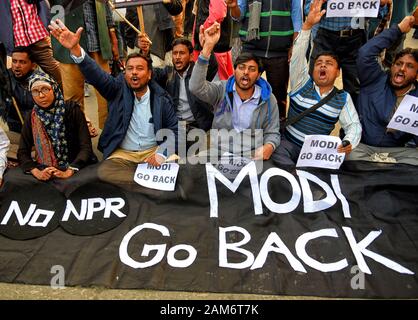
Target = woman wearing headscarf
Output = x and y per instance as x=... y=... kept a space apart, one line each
x=57 y=130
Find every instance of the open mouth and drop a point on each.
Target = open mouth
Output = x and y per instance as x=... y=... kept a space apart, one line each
x=398 y=78
x=322 y=75
x=244 y=81
x=135 y=80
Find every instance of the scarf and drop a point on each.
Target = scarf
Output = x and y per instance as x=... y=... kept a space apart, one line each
x=254 y=10
x=48 y=127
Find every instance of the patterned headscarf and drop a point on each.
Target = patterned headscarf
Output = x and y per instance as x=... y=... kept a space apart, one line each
x=48 y=126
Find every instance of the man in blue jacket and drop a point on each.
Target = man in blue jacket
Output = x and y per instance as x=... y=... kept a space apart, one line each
x=138 y=110
x=380 y=95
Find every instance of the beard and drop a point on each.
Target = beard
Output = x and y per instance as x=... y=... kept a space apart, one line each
x=400 y=87
x=24 y=77
x=181 y=70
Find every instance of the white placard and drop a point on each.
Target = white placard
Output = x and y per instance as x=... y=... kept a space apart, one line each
x=320 y=151
x=350 y=8
x=162 y=177
x=230 y=165
x=406 y=116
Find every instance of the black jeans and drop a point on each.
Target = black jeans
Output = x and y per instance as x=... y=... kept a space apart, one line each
x=277 y=72
x=346 y=49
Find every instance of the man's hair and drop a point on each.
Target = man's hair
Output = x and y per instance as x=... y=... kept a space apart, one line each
x=23 y=49
x=406 y=51
x=329 y=54
x=147 y=58
x=247 y=56
x=182 y=41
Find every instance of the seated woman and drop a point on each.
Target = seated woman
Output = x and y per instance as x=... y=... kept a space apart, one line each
x=58 y=131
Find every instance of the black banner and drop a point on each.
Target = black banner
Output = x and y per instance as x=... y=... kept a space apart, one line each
x=346 y=233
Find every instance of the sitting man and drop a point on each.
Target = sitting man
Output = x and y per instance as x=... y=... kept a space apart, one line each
x=138 y=109
x=243 y=105
x=380 y=95
x=175 y=79
x=307 y=91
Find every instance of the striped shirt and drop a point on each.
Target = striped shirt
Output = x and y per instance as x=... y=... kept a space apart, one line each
x=304 y=93
x=27 y=25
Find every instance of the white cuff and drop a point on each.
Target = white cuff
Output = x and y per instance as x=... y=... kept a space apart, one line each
x=78 y=60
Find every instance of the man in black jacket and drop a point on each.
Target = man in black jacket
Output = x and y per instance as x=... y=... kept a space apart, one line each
x=22 y=68
x=175 y=80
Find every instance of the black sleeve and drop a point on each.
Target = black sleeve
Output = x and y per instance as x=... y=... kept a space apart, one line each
x=212 y=68
x=25 y=146
x=159 y=75
x=82 y=145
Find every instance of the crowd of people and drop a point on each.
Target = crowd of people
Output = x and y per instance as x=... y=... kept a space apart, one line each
x=175 y=75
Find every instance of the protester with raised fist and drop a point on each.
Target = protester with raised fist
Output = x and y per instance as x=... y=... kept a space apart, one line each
x=381 y=93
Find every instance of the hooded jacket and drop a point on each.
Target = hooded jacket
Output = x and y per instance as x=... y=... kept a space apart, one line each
x=219 y=94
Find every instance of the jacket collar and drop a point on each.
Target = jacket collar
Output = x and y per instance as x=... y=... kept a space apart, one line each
x=263 y=84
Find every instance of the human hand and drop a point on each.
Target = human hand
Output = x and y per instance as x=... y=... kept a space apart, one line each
x=209 y=37
x=406 y=24
x=65 y=37
x=345 y=149
x=144 y=43
x=42 y=175
x=315 y=14
x=155 y=160
x=63 y=174
x=264 y=152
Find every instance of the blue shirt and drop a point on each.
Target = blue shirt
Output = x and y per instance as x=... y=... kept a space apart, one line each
x=296 y=13
x=140 y=135
x=242 y=112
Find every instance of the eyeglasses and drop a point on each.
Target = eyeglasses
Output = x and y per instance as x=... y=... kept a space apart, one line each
x=43 y=90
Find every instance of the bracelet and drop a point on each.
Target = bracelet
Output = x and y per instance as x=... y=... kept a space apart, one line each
x=74 y=169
